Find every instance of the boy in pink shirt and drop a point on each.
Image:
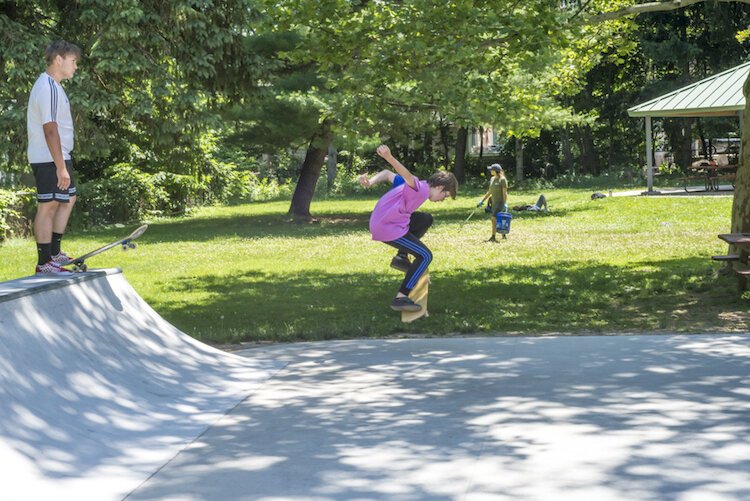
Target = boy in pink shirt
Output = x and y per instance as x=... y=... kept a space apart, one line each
x=395 y=221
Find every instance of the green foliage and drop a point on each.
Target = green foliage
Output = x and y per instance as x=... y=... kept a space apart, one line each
x=393 y=66
x=228 y=184
x=15 y=213
x=151 y=79
x=211 y=97
x=124 y=195
x=669 y=169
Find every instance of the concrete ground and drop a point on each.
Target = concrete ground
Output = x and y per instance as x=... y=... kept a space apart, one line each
x=695 y=191
x=108 y=402
x=601 y=417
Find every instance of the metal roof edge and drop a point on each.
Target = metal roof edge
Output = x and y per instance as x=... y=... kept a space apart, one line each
x=687 y=112
x=683 y=89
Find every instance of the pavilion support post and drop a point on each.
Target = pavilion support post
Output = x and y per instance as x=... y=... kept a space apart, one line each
x=649 y=158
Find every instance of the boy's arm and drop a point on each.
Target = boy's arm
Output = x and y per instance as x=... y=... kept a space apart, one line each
x=381 y=177
x=52 y=137
x=42 y=104
x=485 y=197
x=385 y=152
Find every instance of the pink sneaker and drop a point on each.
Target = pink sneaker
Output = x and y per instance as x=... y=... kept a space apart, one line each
x=60 y=258
x=51 y=268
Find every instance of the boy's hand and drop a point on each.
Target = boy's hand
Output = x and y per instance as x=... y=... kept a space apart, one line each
x=364 y=181
x=384 y=151
x=63 y=178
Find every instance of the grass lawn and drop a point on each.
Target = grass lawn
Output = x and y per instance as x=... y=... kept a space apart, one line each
x=622 y=264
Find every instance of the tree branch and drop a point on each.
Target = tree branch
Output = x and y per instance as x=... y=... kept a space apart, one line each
x=643 y=8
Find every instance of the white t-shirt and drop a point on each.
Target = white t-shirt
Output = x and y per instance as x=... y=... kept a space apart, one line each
x=48 y=103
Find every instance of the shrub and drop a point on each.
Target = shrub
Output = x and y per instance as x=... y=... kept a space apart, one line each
x=124 y=195
x=181 y=191
x=16 y=209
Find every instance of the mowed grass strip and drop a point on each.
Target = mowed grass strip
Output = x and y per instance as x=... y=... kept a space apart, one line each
x=243 y=273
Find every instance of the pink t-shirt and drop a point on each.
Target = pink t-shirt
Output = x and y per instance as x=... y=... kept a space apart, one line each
x=390 y=218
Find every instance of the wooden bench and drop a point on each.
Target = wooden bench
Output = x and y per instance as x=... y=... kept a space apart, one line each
x=728 y=257
x=686 y=180
x=742 y=276
x=715 y=180
x=741 y=242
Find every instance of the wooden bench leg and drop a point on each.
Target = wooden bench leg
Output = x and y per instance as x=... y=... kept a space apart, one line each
x=742 y=279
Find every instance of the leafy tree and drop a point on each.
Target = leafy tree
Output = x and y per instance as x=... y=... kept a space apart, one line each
x=741 y=203
x=467 y=62
x=152 y=78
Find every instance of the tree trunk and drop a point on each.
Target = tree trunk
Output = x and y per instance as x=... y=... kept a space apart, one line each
x=567 y=160
x=462 y=137
x=702 y=136
x=519 y=159
x=611 y=146
x=444 y=133
x=741 y=203
x=332 y=166
x=427 y=143
x=679 y=132
x=309 y=174
x=588 y=157
x=481 y=142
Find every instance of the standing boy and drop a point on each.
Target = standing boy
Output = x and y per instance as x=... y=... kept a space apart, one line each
x=49 y=124
x=498 y=195
x=396 y=222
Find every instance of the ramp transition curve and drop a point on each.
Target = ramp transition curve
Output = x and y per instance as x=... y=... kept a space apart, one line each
x=97 y=391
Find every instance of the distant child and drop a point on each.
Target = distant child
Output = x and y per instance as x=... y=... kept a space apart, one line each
x=396 y=222
x=539 y=206
x=498 y=195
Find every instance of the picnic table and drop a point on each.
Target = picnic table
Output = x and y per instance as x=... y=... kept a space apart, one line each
x=742 y=242
x=711 y=174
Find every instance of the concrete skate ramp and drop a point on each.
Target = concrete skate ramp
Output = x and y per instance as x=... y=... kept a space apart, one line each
x=97 y=391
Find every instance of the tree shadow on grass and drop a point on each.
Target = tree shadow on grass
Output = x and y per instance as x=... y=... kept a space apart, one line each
x=676 y=295
x=338 y=223
x=280 y=224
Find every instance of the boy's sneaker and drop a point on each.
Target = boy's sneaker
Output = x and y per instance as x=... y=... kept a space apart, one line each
x=51 y=268
x=401 y=263
x=405 y=304
x=60 y=258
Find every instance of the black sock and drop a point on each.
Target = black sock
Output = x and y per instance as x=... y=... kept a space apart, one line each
x=43 y=250
x=56 y=239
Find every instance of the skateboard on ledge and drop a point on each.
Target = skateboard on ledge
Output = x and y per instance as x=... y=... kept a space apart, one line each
x=79 y=263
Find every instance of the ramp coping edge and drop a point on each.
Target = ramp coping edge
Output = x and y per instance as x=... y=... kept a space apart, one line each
x=27 y=286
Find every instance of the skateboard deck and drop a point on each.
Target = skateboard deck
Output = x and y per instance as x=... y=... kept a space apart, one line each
x=419 y=295
x=79 y=263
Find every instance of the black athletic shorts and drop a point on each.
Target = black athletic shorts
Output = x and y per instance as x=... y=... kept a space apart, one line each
x=46 y=183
